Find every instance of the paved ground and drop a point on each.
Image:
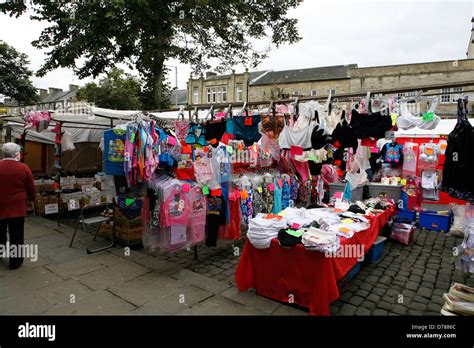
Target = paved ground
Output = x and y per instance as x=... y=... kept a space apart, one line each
x=68 y=281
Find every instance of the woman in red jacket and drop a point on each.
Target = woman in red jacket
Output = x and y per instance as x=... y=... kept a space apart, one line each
x=16 y=185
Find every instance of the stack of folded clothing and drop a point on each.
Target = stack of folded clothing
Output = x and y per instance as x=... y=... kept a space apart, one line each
x=263 y=228
x=296 y=216
x=459 y=301
x=289 y=237
x=316 y=239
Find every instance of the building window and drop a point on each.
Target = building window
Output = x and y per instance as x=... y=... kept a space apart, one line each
x=209 y=94
x=407 y=94
x=239 y=93
x=216 y=95
x=450 y=95
x=314 y=93
x=224 y=94
x=296 y=93
x=457 y=93
x=332 y=92
x=195 y=95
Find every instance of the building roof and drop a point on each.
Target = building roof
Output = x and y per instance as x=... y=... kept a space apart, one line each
x=63 y=95
x=182 y=95
x=336 y=72
x=252 y=75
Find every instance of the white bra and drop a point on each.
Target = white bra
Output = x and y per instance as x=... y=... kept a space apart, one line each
x=407 y=120
x=302 y=138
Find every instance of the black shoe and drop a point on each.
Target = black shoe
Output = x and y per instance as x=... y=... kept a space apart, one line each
x=15 y=266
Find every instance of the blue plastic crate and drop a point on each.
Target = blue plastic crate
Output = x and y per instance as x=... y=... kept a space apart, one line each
x=431 y=220
x=375 y=252
x=353 y=272
x=407 y=214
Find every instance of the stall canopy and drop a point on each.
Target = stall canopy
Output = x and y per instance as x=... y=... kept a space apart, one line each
x=87 y=126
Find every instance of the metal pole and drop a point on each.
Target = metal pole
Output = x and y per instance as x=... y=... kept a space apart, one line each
x=176 y=76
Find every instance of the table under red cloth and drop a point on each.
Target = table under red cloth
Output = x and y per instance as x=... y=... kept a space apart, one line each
x=296 y=275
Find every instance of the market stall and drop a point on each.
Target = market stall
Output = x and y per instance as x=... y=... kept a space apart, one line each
x=299 y=276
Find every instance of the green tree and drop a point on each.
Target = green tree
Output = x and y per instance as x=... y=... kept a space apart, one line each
x=117 y=90
x=15 y=76
x=144 y=33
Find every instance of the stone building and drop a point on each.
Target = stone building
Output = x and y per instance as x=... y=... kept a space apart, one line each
x=221 y=88
x=418 y=75
x=301 y=82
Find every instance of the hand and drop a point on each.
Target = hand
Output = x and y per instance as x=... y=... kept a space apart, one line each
x=30 y=206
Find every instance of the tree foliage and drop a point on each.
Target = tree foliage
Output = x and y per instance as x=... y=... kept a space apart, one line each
x=144 y=33
x=117 y=91
x=15 y=76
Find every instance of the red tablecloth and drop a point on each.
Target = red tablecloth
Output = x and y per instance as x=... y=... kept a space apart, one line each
x=296 y=275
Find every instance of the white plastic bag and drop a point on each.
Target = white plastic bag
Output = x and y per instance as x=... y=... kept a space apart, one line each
x=457 y=229
x=66 y=142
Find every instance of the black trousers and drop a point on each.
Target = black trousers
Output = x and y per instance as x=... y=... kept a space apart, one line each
x=16 y=230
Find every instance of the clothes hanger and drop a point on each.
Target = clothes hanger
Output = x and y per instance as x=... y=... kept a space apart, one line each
x=195 y=115
x=211 y=113
x=228 y=112
x=181 y=113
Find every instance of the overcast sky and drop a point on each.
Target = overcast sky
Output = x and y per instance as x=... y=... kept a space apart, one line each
x=363 y=32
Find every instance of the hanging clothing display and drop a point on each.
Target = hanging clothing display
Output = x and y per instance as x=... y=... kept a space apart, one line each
x=370 y=125
x=246 y=128
x=114 y=151
x=459 y=159
x=429 y=120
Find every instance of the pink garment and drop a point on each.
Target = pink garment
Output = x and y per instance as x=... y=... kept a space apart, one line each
x=202 y=167
x=38 y=120
x=329 y=175
x=181 y=129
x=197 y=226
x=151 y=159
x=176 y=208
x=301 y=167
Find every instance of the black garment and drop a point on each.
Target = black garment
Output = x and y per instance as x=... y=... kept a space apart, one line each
x=345 y=136
x=215 y=218
x=356 y=209
x=247 y=132
x=287 y=240
x=459 y=158
x=370 y=126
x=16 y=231
x=319 y=139
x=214 y=131
x=315 y=168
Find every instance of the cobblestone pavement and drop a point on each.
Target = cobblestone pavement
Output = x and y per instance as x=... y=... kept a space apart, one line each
x=407 y=280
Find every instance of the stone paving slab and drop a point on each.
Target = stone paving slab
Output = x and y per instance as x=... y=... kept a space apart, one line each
x=200 y=281
x=27 y=280
x=129 y=254
x=174 y=302
x=114 y=275
x=251 y=299
x=287 y=310
x=98 y=303
x=158 y=265
x=74 y=268
x=218 y=305
x=30 y=304
x=60 y=293
x=146 y=289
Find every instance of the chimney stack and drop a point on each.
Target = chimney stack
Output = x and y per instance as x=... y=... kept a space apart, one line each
x=43 y=93
x=53 y=91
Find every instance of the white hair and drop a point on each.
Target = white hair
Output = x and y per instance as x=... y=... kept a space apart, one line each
x=10 y=150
